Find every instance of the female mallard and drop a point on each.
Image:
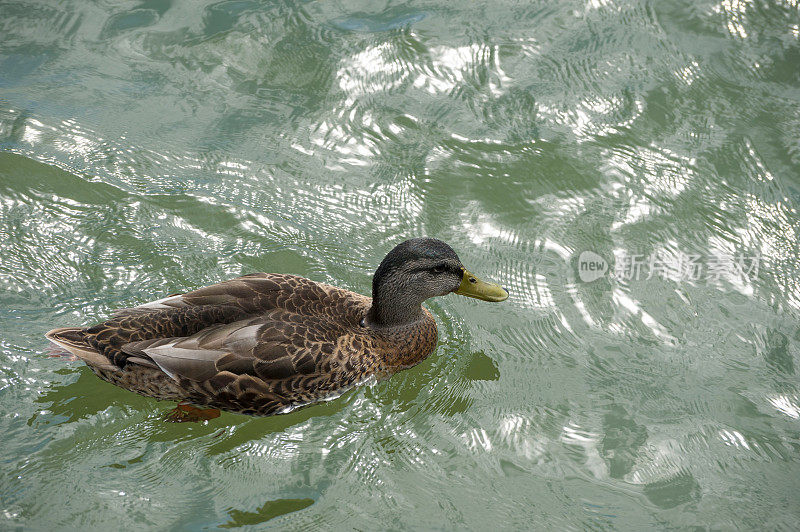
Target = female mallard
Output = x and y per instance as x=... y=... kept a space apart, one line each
x=266 y=343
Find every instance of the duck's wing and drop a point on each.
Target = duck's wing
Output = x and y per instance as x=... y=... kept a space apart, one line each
x=282 y=355
x=251 y=293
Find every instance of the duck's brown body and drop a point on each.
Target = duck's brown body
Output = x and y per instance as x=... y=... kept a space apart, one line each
x=260 y=344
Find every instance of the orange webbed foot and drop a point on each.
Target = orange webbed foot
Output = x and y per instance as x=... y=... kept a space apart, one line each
x=186 y=413
x=54 y=351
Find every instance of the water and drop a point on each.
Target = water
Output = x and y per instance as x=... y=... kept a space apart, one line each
x=153 y=147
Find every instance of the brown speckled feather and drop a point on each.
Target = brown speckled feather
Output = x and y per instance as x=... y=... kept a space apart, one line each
x=259 y=344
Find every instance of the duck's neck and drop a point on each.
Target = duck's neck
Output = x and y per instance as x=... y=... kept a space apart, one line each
x=391 y=307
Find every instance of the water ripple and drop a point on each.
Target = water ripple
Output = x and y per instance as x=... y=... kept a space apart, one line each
x=148 y=149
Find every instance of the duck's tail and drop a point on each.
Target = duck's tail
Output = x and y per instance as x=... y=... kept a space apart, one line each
x=73 y=341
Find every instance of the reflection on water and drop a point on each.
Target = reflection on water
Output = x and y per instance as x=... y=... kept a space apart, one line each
x=270 y=510
x=148 y=149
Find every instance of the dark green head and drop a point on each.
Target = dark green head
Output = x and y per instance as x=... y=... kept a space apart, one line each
x=416 y=270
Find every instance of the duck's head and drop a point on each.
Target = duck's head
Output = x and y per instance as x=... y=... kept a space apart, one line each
x=416 y=270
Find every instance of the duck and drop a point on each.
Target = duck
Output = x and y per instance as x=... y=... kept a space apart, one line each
x=268 y=343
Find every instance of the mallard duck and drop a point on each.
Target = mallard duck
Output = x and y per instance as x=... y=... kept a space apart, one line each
x=267 y=343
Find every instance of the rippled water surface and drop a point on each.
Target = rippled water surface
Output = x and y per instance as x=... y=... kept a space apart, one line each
x=153 y=147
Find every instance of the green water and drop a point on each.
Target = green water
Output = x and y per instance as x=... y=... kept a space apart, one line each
x=153 y=147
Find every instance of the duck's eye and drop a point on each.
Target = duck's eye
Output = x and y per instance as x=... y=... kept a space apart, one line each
x=439 y=268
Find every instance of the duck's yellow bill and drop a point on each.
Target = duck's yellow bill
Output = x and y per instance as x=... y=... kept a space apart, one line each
x=471 y=286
